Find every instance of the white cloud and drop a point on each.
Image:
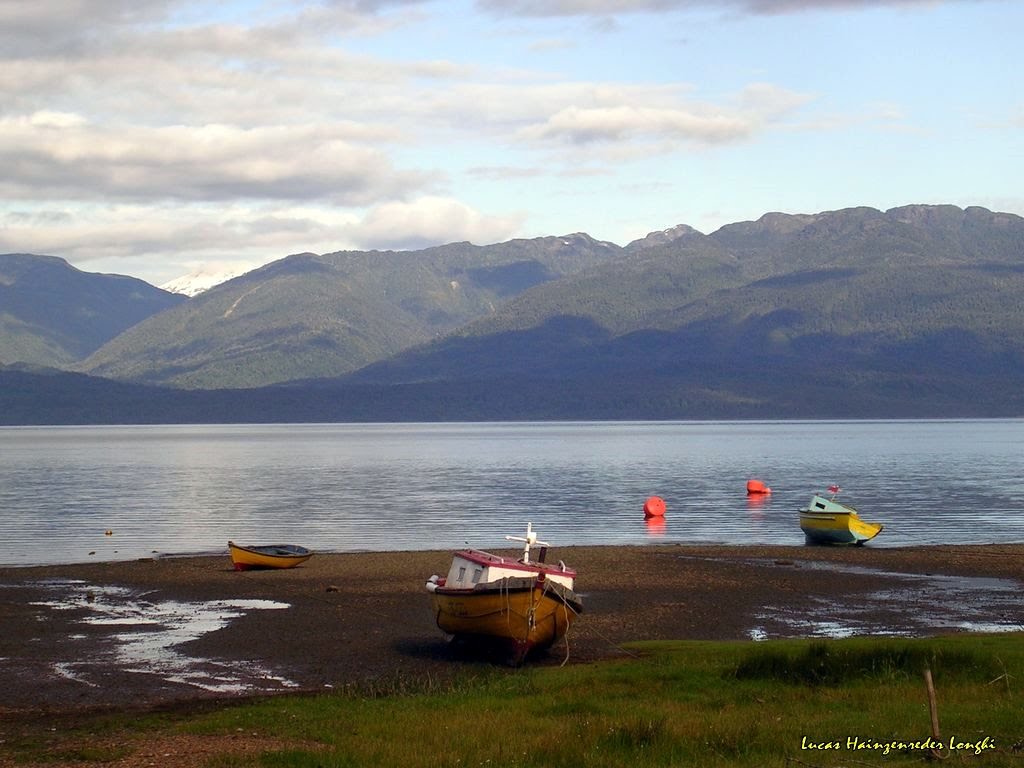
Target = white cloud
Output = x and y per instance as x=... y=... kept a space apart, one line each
x=47 y=119
x=47 y=155
x=63 y=26
x=635 y=118
x=610 y=8
x=552 y=44
x=767 y=101
x=160 y=243
x=584 y=125
x=71 y=27
x=429 y=221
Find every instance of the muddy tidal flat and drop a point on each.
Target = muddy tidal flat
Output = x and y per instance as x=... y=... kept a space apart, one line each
x=157 y=632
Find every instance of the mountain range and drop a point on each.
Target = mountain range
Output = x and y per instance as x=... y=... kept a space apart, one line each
x=913 y=311
x=311 y=315
x=55 y=315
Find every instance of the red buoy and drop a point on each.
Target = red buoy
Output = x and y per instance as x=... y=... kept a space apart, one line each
x=757 y=486
x=654 y=507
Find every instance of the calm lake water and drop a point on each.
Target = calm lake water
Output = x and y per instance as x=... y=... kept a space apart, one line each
x=346 y=487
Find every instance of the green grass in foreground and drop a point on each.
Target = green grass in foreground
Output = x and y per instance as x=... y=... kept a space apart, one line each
x=682 y=703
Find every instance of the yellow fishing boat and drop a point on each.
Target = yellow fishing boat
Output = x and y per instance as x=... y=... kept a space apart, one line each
x=519 y=603
x=826 y=521
x=268 y=556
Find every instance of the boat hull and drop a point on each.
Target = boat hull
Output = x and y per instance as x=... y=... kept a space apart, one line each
x=837 y=528
x=522 y=613
x=826 y=521
x=271 y=556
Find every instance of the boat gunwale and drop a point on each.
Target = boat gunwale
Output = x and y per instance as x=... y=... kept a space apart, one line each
x=506 y=584
x=813 y=515
x=550 y=590
x=299 y=551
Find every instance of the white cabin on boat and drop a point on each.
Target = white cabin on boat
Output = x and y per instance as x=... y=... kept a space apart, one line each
x=472 y=567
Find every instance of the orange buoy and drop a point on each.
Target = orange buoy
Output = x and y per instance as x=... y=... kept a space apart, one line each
x=757 y=486
x=654 y=507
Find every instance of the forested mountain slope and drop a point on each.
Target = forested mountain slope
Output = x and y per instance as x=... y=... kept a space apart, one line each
x=53 y=314
x=312 y=316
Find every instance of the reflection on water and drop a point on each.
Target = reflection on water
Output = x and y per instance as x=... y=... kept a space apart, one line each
x=757 y=504
x=188 y=489
x=656 y=526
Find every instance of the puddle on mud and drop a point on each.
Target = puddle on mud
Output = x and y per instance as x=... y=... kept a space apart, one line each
x=922 y=605
x=144 y=634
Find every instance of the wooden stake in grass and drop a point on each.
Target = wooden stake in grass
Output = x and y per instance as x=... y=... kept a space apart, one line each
x=933 y=709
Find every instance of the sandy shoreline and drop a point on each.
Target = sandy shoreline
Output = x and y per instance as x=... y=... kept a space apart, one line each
x=149 y=633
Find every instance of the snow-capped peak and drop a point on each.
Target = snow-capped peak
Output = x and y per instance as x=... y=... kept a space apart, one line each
x=206 y=276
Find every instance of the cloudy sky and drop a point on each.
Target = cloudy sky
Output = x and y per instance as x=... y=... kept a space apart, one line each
x=150 y=137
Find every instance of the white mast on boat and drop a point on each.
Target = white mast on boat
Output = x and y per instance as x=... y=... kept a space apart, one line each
x=530 y=541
